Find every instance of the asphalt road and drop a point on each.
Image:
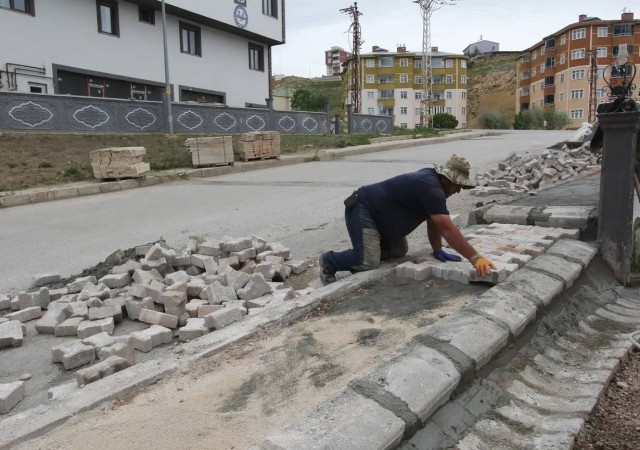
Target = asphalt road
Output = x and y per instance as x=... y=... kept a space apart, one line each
x=299 y=205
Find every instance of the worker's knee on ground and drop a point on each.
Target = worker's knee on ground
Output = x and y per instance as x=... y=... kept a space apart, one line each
x=371 y=244
x=398 y=248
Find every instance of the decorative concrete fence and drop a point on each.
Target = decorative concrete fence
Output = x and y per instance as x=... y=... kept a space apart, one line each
x=57 y=113
x=363 y=123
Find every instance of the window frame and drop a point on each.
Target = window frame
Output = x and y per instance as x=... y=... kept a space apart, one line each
x=578 y=53
x=189 y=27
x=579 y=114
x=370 y=63
x=606 y=32
x=576 y=72
x=621 y=27
x=577 y=94
x=404 y=79
x=115 y=19
x=404 y=110
x=146 y=10
x=260 y=53
x=404 y=95
x=270 y=8
x=404 y=62
x=29 y=7
x=578 y=33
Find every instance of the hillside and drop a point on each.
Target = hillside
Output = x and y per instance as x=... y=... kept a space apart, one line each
x=492 y=86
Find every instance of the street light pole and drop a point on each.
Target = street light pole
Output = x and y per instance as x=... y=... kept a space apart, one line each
x=167 y=92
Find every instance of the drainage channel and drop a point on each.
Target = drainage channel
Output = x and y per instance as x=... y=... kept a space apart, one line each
x=537 y=393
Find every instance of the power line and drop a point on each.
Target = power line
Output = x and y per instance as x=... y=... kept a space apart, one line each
x=357 y=42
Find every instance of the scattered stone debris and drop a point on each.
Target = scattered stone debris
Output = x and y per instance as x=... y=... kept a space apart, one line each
x=520 y=174
x=181 y=293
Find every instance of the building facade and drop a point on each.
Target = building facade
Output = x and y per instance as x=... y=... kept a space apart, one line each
x=391 y=84
x=564 y=71
x=481 y=47
x=114 y=49
x=334 y=59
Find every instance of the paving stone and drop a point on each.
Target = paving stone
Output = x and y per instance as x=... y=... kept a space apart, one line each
x=128 y=267
x=565 y=217
x=510 y=307
x=256 y=287
x=157 y=318
x=231 y=261
x=472 y=441
x=575 y=251
x=76 y=286
x=11 y=334
x=26 y=315
x=566 y=270
x=5 y=302
x=88 y=328
x=356 y=423
x=279 y=250
x=216 y=293
x=116 y=280
x=195 y=287
x=452 y=418
x=194 y=328
x=56 y=294
x=10 y=395
x=99 y=290
x=69 y=327
x=224 y=317
x=45 y=278
x=236 y=280
x=153 y=336
x=200 y=261
x=540 y=286
x=429 y=437
x=421 y=377
x=79 y=309
x=508 y=214
x=207 y=309
x=160 y=265
x=192 y=306
x=98 y=371
x=105 y=312
x=244 y=255
x=73 y=354
x=475 y=336
x=297 y=267
x=145 y=277
x=122 y=347
x=248 y=267
x=55 y=315
x=236 y=245
x=209 y=248
x=176 y=277
x=39 y=298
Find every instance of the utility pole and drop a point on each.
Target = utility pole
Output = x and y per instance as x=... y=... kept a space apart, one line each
x=167 y=94
x=356 y=87
x=593 y=82
x=427 y=7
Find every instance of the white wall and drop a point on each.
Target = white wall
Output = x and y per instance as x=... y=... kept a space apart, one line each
x=65 y=32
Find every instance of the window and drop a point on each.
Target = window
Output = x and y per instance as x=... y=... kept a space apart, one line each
x=418 y=111
x=108 y=17
x=463 y=63
x=463 y=79
x=36 y=88
x=25 y=6
x=542 y=51
x=542 y=67
x=449 y=79
x=535 y=55
x=448 y=63
x=533 y=72
x=576 y=113
x=464 y=111
x=386 y=79
x=602 y=52
x=548 y=99
x=577 y=54
x=580 y=33
x=601 y=93
x=561 y=78
x=385 y=62
x=623 y=29
x=449 y=110
x=404 y=78
x=542 y=85
x=404 y=62
x=256 y=57
x=600 y=73
x=370 y=79
x=437 y=63
x=577 y=74
x=418 y=95
x=403 y=94
x=417 y=80
x=577 y=94
x=190 y=40
x=563 y=39
x=561 y=96
x=524 y=92
x=417 y=63
x=449 y=95
x=371 y=111
x=403 y=110
x=385 y=94
x=602 y=31
x=464 y=95
x=270 y=8
x=371 y=63
x=550 y=43
x=549 y=81
x=562 y=59
x=616 y=49
x=403 y=125
x=147 y=15
x=550 y=62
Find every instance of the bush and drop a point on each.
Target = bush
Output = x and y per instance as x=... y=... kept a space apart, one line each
x=530 y=119
x=494 y=121
x=556 y=120
x=72 y=173
x=444 y=120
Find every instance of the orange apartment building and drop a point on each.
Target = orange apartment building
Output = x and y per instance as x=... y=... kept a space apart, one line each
x=554 y=74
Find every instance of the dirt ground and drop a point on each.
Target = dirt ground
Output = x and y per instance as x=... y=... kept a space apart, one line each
x=235 y=399
x=615 y=422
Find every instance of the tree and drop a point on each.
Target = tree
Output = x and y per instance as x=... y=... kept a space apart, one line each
x=306 y=100
x=444 y=120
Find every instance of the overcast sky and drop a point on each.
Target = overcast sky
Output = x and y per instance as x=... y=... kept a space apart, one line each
x=314 y=26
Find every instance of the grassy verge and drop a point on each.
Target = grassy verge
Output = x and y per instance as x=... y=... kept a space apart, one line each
x=32 y=160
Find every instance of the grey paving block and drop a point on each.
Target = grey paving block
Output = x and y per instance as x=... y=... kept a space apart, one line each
x=153 y=336
x=222 y=318
x=157 y=318
x=11 y=334
x=565 y=217
x=452 y=418
x=346 y=421
x=477 y=337
x=69 y=327
x=554 y=265
x=540 y=286
x=194 y=328
x=116 y=280
x=45 y=278
x=55 y=315
x=10 y=395
x=508 y=214
x=429 y=437
x=421 y=377
x=575 y=251
x=98 y=371
x=88 y=328
x=26 y=315
x=73 y=354
x=508 y=306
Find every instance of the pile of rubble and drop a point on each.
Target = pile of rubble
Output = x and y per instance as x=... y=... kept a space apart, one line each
x=519 y=174
x=118 y=162
x=183 y=293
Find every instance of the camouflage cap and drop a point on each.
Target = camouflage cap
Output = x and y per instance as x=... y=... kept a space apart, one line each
x=456 y=170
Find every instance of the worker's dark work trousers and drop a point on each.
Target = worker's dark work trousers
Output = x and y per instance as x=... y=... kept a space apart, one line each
x=369 y=248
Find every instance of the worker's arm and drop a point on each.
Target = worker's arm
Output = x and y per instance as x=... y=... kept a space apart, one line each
x=440 y=226
x=435 y=238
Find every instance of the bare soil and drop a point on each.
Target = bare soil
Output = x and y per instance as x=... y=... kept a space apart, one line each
x=615 y=421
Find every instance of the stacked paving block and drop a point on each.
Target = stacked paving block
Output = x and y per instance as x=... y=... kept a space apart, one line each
x=118 y=162
x=211 y=151
x=259 y=145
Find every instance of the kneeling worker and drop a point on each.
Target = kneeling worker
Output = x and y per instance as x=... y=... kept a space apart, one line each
x=379 y=217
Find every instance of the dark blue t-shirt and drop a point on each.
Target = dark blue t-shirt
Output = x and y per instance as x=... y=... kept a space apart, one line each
x=398 y=205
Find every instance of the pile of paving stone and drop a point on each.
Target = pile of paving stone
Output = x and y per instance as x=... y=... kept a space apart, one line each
x=519 y=174
x=183 y=293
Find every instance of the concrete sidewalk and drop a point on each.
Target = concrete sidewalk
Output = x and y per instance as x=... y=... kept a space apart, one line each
x=70 y=190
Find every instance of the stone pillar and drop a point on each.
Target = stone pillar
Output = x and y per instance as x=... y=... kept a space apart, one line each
x=620 y=131
x=336 y=127
x=271 y=116
x=350 y=124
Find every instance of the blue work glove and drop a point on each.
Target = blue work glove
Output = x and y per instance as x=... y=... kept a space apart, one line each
x=443 y=256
